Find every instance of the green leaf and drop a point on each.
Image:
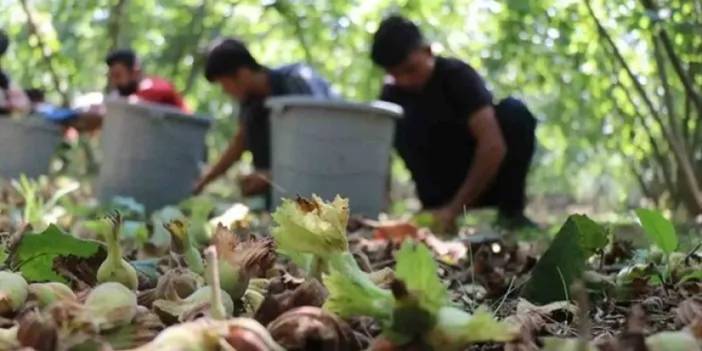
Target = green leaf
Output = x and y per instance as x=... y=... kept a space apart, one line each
x=565 y=260
x=457 y=329
x=352 y=293
x=3 y=254
x=318 y=230
x=593 y=237
x=417 y=268
x=694 y=275
x=36 y=253
x=658 y=229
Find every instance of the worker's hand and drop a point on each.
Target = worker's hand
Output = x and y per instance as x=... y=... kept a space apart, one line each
x=254 y=184
x=445 y=219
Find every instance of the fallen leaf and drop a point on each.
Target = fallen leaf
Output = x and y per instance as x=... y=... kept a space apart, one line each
x=395 y=231
x=36 y=253
x=565 y=260
x=449 y=252
x=309 y=293
x=689 y=311
x=306 y=328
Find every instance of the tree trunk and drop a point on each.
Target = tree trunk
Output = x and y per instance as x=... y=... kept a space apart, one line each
x=685 y=162
x=114 y=24
x=45 y=54
x=675 y=60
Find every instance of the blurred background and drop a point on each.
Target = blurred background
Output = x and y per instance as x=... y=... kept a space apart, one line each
x=617 y=85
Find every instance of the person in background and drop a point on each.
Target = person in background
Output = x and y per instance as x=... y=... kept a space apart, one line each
x=462 y=150
x=36 y=98
x=126 y=80
x=231 y=66
x=12 y=98
x=126 y=77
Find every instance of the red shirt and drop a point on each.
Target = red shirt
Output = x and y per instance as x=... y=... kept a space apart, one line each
x=160 y=91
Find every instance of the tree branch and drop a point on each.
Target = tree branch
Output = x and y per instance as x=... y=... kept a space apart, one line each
x=45 y=54
x=195 y=32
x=620 y=58
x=285 y=9
x=674 y=59
x=678 y=151
x=199 y=59
x=663 y=162
x=114 y=24
x=667 y=93
x=642 y=182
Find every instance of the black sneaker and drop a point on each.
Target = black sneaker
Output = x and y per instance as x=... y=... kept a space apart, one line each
x=515 y=222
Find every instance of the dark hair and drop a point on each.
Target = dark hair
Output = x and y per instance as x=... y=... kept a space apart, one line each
x=34 y=94
x=126 y=57
x=394 y=40
x=226 y=56
x=4 y=42
x=4 y=81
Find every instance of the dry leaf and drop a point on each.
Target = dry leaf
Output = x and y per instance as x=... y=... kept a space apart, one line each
x=689 y=311
x=307 y=327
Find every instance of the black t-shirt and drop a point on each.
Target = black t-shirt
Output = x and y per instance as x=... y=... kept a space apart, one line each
x=433 y=137
x=294 y=79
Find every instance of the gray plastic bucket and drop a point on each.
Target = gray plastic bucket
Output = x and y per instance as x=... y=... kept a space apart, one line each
x=151 y=153
x=26 y=146
x=330 y=147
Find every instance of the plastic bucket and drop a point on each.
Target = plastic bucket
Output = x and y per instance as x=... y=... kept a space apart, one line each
x=26 y=146
x=151 y=153
x=330 y=147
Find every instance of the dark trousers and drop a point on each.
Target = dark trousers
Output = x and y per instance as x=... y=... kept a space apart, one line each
x=508 y=191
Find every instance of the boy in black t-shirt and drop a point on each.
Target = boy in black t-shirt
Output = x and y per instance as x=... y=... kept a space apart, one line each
x=231 y=66
x=461 y=149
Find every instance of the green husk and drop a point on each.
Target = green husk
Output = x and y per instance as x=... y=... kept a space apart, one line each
x=240 y=261
x=172 y=311
x=217 y=308
x=352 y=293
x=110 y=305
x=48 y=293
x=312 y=226
x=182 y=244
x=177 y=283
x=455 y=329
x=8 y=338
x=115 y=268
x=161 y=238
x=13 y=292
x=207 y=334
x=200 y=208
x=673 y=340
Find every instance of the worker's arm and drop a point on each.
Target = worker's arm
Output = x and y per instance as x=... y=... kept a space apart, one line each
x=232 y=154
x=489 y=153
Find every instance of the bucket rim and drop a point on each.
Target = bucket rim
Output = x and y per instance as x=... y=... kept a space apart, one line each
x=165 y=111
x=384 y=108
x=34 y=121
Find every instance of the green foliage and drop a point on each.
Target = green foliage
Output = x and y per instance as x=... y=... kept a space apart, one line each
x=565 y=260
x=597 y=127
x=353 y=294
x=312 y=226
x=694 y=275
x=456 y=329
x=199 y=208
x=658 y=229
x=417 y=268
x=33 y=202
x=36 y=253
x=36 y=207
